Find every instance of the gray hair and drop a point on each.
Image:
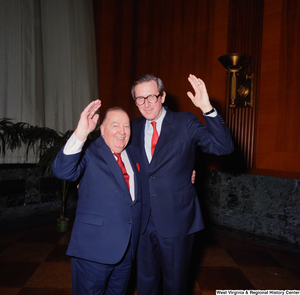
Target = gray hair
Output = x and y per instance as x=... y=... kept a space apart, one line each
x=147 y=78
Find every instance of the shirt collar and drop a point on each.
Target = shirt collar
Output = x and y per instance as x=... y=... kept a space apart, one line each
x=158 y=121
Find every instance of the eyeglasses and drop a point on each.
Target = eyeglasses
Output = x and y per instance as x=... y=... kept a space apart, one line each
x=152 y=98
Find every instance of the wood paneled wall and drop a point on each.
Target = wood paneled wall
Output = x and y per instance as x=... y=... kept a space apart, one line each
x=278 y=130
x=173 y=38
x=169 y=39
x=114 y=28
x=245 y=36
x=176 y=38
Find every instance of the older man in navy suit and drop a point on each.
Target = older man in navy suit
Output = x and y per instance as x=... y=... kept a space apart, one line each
x=165 y=143
x=107 y=223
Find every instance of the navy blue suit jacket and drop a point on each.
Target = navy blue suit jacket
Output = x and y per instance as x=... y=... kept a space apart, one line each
x=166 y=181
x=106 y=216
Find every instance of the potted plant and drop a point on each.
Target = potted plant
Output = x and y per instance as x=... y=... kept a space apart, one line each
x=47 y=143
x=50 y=142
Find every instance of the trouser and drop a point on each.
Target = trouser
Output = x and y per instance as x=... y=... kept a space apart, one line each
x=167 y=256
x=92 y=278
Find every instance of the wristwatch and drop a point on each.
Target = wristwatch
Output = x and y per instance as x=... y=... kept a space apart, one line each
x=210 y=112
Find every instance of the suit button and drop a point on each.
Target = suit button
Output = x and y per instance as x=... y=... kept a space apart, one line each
x=129 y=221
x=152 y=177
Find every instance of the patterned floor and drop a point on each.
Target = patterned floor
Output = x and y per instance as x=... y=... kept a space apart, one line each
x=33 y=261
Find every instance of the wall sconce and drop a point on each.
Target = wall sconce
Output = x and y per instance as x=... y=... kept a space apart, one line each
x=241 y=85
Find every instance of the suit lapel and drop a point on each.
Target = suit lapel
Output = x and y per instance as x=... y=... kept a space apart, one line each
x=140 y=141
x=166 y=130
x=111 y=162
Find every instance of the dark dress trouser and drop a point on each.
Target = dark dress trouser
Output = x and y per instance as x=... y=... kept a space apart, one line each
x=156 y=254
x=90 y=277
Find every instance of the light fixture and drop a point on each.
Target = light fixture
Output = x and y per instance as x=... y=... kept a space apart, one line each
x=241 y=85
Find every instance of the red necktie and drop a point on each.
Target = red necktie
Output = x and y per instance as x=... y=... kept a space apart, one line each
x=122 y=166
x=154 y=138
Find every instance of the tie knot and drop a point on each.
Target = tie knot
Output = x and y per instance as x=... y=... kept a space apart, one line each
x=153 y=123
x=118 y=155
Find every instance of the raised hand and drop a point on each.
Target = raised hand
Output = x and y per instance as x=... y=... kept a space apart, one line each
x=88 y=120
x=200 y=99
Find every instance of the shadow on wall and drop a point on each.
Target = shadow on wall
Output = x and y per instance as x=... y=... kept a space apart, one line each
x=172 y=103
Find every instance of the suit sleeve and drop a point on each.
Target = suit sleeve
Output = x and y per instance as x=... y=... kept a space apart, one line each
x=214 y=138
x=69 y=167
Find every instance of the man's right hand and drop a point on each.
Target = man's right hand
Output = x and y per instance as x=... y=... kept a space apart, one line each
x=193 y=177
x=88 y=120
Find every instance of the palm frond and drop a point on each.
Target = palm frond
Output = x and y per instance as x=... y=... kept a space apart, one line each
x=48 y=153
x=10 y=136
x=37 y=139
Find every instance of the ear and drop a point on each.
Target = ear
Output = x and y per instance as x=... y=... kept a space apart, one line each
x=163 y=97
x=101 y=129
